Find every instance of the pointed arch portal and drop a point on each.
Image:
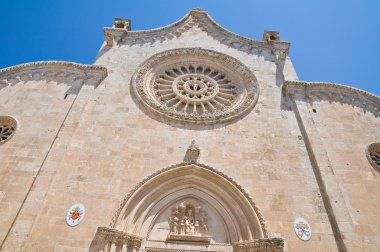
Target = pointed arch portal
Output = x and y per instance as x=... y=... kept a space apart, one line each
x=187 y=204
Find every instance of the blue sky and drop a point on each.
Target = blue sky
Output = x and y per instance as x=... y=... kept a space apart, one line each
x=333 y=41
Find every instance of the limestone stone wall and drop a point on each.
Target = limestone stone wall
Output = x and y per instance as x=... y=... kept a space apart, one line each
x=294 y=155
x=40 y=109
x=339 y=134
x=118 y=142
x=40 y=97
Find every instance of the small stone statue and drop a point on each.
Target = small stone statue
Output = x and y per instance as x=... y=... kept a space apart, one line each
x=192 y=153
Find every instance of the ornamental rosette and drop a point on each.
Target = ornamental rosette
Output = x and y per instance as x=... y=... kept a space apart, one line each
x=196 y=86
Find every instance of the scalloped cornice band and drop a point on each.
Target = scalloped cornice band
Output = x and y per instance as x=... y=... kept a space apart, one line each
x=66 y=71
x=197 y=18
x=332 y=92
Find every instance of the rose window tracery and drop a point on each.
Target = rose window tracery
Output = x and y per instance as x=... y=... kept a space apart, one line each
x=195 y=85
x=7 y=128
x=195 y=90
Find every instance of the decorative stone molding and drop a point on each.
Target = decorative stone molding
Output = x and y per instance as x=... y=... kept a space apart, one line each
x=8 y=126
x=111 y=240
x=196 y=86
x=173 y=168
x=60 y=71
x=260 y=245
x=317 y=91
x=373 y=155
x=195 y=18
x=165 y=196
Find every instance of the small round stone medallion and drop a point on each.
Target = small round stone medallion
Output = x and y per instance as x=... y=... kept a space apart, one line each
x=302 y=229
x=75 y=214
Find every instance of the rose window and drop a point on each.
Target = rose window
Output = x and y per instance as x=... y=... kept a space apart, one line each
x=373 y=155
x=7 y=128
x=195 y=91
x=195 y=85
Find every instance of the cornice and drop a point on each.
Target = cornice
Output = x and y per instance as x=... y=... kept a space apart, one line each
x=195 y=18
x=65 y=71
x=317 y=91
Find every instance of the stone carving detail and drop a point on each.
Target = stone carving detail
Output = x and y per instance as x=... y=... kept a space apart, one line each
x=188 y=222
x=209 y=168
x=316 y=91
x=373 y=155
x=59 y=71
x=193 y=90
x=192 y=153
x=271 y=36
x=8 y=127
x=196 y=18
x=112 y=240
x=122 y=23
x=259 y=245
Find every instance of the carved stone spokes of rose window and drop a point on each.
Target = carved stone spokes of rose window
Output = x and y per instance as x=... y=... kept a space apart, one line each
x=188 y=222
x=196 y=86
x=194 y=90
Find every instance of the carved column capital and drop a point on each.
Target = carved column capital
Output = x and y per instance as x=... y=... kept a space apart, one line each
x=267 y=244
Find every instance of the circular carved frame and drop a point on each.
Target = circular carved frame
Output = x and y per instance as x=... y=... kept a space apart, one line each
x=8 y=127
x=194 y=85
x=373 y=155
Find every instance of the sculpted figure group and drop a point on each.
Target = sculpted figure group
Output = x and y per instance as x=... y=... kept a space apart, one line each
x=187 y=219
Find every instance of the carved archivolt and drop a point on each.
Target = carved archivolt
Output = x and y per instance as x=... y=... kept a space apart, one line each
x=184 y=205
x=196 y=85
x=166 y=182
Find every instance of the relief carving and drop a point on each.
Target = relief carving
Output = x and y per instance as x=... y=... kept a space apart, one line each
x=188 y=222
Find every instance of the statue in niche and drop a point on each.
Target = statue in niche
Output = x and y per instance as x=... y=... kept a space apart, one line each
x=188 y=222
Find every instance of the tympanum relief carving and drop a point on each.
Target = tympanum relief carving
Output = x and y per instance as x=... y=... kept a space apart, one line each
x=188 y=222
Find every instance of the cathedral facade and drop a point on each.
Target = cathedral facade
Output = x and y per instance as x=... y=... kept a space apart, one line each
x=186 y=138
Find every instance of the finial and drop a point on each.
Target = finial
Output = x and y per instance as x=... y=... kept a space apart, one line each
x=122 y=23
x=271 y=36
x=192 y=153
